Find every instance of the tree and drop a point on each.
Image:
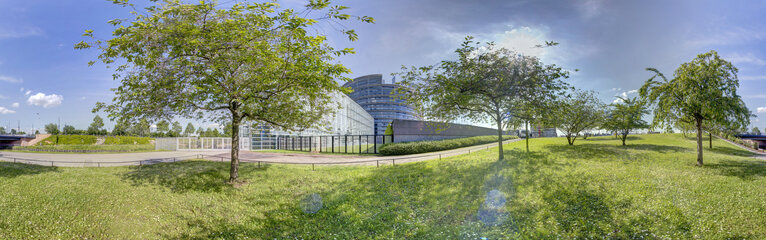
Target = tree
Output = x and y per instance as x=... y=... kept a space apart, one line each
x=69 y=130
x=227 y=129
x=52 y=128
x=250 y=62
x=163 y=126
x=703 y=91
x=626 y=115
x=175 y=131
x=189 y=129
x=96 y=125
x=2 y=130
x=142 y=128
x=481 y=85
x=756 y=131
x=121 y=128
x=573 y=115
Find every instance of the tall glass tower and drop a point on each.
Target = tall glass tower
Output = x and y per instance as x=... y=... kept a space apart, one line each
x=378 y=99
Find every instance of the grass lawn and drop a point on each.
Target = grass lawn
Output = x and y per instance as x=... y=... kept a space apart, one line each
x=595 y=189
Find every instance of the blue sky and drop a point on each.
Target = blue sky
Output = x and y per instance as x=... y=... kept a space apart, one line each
x=42 y=78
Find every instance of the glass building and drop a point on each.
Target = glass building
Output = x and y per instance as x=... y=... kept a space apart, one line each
x=376 y=96
x=349 y=119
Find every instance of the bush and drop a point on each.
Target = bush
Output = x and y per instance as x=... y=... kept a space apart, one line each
x=390 y=149
x=96 y=148
x=69 y=140
x=119 y=140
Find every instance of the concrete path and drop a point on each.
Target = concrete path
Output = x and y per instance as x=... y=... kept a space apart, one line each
x=97 y=160
x=128 y=159
x=758 y=155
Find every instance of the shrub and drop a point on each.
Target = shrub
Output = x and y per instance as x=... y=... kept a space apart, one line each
x=69 y=140
x=389 y=149
x=121 y=140
x=96 y=148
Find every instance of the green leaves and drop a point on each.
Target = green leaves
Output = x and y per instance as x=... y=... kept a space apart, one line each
x=703 y=92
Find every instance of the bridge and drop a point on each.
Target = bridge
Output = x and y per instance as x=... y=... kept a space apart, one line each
x=8 y=141
x=760 y=139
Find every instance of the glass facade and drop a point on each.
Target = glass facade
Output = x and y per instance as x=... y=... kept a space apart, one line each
x=377 y=98
x=349 y=119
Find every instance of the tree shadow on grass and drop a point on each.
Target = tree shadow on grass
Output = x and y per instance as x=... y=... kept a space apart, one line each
x=728 y=150
x=744 y=169
x=653 y=147
x=10 y=170
x=185 y=176
x=605 y=151
x=611 y=138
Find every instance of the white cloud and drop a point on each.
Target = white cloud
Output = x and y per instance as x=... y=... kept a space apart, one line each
x=28 y=92
x=21 y=90
x=15 y=105
x=19 y=32
x=4 y=110
x=762 y=110
x=9 y=79
x=748 y=58
x=726 y=36
x=752 y=78
x=46 y=101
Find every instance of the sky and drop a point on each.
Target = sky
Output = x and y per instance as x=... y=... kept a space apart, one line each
x=43 y=79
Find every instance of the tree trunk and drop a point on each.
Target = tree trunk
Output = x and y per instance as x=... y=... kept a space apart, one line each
x=570 y=139
x=526 y=126
x=624 y=136
x=500 y=139
x=234 y=171
x=699 y=142
x=710 y=138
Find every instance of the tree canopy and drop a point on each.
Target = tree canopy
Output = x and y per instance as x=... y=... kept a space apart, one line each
x=626 y=115
x=482 y=85
x=577 y=112
x=250 y=62
x=701 y=92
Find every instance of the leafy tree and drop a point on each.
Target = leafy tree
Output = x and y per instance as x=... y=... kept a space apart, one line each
x=703 y=91
x=756 y=131
x=96 y=125
x=625 y=116
x=573 y=115
x=189 y=129
x=2 y=130
x=200 y=131
x=142 y=128
x=163 y=126
x=227 y=129
x=13 y=131
x=253 y=61
x=175 y=131
x=69 y=130
x=120 y=128
x=481 y=85
x=52 y=128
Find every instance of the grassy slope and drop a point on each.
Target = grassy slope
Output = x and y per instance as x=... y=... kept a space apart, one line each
x=594 y=189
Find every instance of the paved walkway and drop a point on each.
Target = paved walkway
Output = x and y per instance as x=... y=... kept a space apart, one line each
x=127 y=159
x=758 y=155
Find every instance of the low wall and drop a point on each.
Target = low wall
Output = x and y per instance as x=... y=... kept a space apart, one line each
x=413 y=130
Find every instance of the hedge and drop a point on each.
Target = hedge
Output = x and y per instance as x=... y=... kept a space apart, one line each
x=91 y=139
x=390 y=149
x=120 y=140
x=69 y=140
x=95 y=148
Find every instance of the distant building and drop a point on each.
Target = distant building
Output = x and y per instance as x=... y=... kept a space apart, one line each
x=349 y=119
x=414 y=130
x=377 y=98
x=536 y=131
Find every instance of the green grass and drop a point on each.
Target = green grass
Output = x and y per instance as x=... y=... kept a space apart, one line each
x=595 y=189
x=126 y=140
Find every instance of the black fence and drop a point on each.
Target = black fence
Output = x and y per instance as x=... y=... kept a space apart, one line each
x=361 y=144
